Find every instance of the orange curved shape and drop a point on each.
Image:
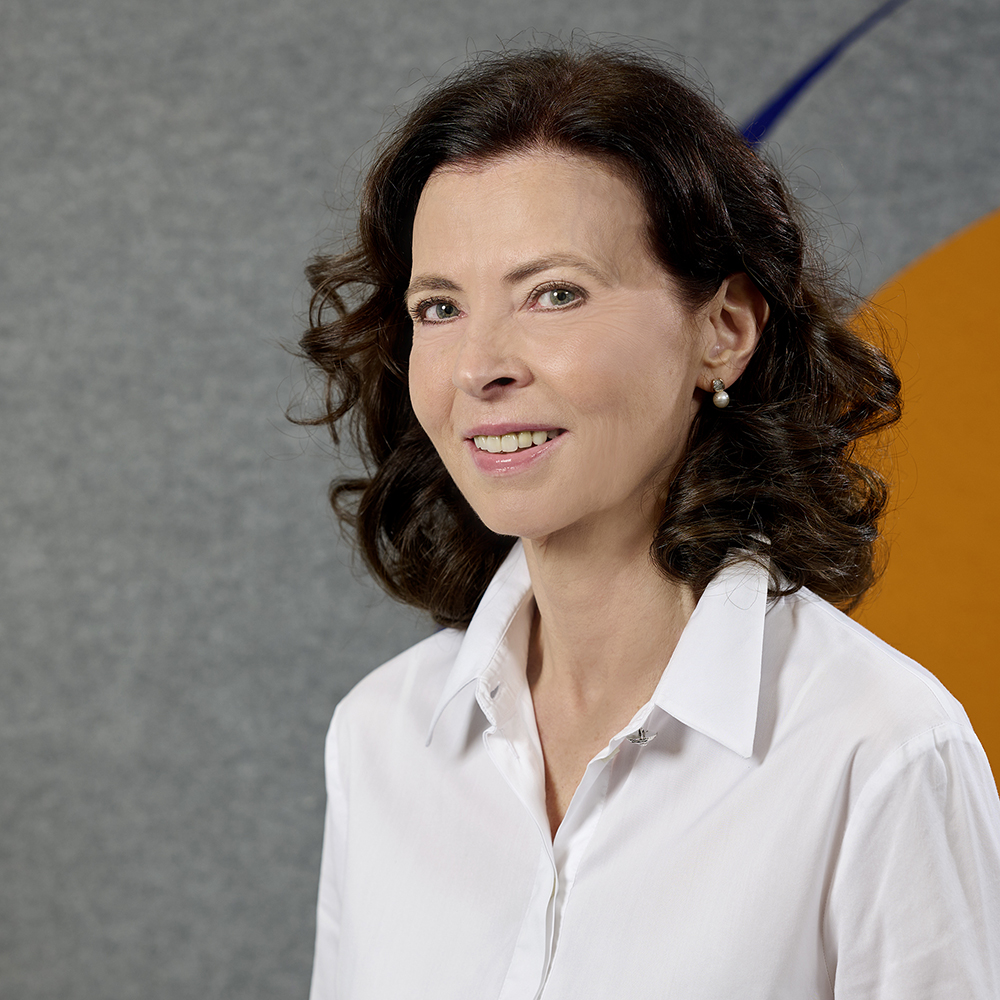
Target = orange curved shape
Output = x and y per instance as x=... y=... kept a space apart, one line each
x=938 y=601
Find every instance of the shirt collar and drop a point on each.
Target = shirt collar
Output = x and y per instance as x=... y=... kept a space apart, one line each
x=712 y=681
x=483 y=648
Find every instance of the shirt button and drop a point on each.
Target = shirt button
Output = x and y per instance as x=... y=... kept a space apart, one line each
x=641 y=737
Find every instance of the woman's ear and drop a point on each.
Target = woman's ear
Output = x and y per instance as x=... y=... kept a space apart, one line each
x=733 y=323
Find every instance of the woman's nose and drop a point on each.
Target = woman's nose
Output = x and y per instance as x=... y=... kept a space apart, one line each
x=490 y=360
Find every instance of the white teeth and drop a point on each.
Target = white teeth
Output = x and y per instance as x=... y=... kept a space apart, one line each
x=507 y=443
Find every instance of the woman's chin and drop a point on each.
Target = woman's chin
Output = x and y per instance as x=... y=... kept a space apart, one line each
x=518 y=523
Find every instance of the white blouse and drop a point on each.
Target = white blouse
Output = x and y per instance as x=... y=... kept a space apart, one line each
x=799 y=812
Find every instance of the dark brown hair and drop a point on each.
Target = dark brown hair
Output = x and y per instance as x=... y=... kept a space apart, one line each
x=773 y=475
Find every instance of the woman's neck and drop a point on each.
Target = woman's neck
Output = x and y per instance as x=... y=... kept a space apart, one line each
x=607 y=619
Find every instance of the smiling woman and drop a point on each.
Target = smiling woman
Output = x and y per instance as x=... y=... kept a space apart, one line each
x=643 y=702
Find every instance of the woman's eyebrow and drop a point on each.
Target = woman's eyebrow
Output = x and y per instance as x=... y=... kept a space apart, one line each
x=430 y=283
x=532 y=267
x=439 y=283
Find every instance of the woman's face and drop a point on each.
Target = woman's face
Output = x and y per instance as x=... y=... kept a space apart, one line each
x=554 y=365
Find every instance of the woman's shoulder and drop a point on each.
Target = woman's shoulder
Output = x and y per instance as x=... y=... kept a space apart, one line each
x=870 y=694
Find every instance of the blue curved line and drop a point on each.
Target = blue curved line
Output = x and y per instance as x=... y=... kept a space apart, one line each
x=757 y=128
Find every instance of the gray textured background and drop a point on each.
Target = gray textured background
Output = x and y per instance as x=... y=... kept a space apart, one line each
x=177 y=615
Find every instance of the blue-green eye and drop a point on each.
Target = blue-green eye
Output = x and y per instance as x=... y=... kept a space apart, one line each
x=558 y=298
x=436 y=312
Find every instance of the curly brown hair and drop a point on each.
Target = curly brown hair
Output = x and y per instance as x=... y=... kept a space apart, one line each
x=775 y=475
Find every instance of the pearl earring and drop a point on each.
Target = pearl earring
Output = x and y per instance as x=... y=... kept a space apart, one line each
x=721 y=397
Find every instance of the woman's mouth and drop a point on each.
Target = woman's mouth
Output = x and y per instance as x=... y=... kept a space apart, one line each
x=508 y=443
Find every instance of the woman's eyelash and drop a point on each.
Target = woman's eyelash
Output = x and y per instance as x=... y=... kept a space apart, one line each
x=418 y=312
x=577 y=293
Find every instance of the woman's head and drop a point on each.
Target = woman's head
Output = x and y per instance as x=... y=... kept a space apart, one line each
x=772 y=474
x=555 y=365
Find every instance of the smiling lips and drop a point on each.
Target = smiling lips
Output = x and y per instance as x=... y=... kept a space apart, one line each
x=495 y=444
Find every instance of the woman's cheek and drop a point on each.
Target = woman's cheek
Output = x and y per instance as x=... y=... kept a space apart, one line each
x=423 y=388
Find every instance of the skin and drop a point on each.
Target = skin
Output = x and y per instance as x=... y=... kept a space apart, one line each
x=537 y=305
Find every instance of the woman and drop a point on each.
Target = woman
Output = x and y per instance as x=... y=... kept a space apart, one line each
x=608 y=404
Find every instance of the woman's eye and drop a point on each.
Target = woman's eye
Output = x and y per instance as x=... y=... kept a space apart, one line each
x=557 y=298
x=436 y=312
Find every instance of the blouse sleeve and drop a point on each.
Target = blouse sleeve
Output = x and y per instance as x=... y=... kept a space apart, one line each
x=914 y=905
x=324 y=975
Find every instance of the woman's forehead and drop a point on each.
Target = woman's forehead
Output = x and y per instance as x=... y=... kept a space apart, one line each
x=545 y=202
